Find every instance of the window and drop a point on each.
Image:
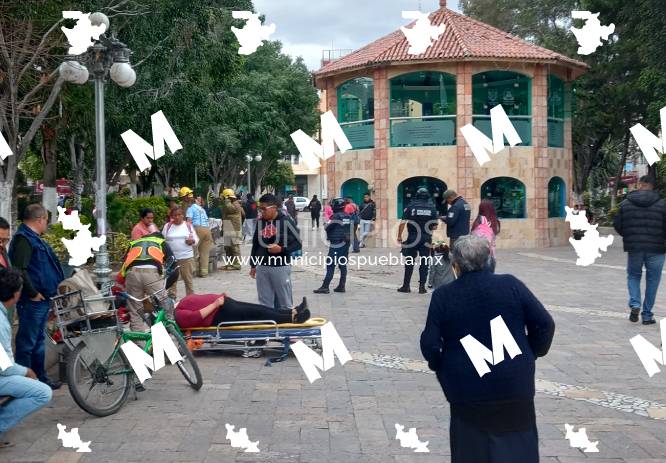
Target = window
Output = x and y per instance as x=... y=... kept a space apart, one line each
x=510 y=89
x=356 y=111
x=423 y=109
x=508 y=196
x=555 y=112
x=557 y=197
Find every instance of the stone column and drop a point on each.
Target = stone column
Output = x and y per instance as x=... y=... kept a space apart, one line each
x=381 y=84
x=331 y=104
x=538 y=207
x=465 y=157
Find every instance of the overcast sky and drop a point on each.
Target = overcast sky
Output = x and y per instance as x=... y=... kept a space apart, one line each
x=306 y=27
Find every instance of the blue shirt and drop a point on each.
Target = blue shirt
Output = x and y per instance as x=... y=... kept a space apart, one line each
x=6 y=342
x=198 y=215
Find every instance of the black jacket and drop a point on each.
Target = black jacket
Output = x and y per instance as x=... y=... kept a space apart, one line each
x=457 y=218
x=641 y=221
x=368 y=211
x=338 y=230
x=282 y=231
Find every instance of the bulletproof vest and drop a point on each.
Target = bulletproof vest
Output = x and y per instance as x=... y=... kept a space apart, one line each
x=420 y=214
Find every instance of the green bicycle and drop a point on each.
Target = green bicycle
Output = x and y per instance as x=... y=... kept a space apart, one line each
x=99 y=375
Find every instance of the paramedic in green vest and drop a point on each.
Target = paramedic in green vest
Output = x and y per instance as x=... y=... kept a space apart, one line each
x=142 y=273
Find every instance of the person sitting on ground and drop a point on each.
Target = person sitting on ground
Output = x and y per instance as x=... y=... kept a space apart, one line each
x=21 y=383
x=197 y=310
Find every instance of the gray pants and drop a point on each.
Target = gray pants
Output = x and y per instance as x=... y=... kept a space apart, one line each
x=274 y=286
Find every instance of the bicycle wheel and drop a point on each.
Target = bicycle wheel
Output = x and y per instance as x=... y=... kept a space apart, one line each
x=99 y=389
x=188 y=366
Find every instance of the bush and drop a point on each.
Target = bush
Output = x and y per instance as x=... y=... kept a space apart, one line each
x=53 y=238
x=123 y=212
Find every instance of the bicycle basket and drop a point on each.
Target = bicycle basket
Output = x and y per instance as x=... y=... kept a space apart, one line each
x=74 y=316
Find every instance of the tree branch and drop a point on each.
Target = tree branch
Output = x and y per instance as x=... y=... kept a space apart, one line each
x=38 y=50
x=37 y=122
x=37 y=87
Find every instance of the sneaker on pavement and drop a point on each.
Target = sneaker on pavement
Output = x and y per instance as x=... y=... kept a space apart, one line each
x=651 y=321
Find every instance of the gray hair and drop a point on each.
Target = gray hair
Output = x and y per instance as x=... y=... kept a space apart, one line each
x=450 y=194
x=471 y=253
x=34 y=212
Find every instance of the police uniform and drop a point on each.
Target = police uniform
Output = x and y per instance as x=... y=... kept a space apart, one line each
x=420 y=216
x=338 y=233
x=142 y=271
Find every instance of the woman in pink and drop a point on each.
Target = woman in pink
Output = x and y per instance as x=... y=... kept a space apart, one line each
x=328 y=211
x=145 y=226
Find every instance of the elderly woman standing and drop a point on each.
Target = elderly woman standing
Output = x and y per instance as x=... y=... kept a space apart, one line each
x=492 y=409
x=182 y=238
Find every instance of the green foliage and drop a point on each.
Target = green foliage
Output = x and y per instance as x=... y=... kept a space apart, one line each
x=123 y=211
x=117 y=245
x=280 y=176
x=53 y=238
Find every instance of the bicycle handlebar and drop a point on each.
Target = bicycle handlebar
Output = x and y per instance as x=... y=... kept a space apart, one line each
x=136 y=299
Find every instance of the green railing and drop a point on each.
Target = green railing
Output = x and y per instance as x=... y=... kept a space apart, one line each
x=361 y=134
x=522 y=124
x=423 y=131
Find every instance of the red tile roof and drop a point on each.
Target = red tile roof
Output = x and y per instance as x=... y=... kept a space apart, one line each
x=464 y=39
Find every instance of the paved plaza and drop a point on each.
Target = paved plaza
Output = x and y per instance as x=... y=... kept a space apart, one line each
x=591 y=378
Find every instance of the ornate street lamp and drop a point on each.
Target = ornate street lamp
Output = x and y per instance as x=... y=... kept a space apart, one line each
x=107 y=57
x=249 y=158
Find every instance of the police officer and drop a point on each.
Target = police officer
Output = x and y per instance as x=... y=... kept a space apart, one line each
x=457 y=217
x=338 y=233
x=420 y=217
x=142 y=271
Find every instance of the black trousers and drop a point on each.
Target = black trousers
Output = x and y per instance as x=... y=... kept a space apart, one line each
x=315 y=220
x=494 y=432
x=235 y=311
x=411 y=253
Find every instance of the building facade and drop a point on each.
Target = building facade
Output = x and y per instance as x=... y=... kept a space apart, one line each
x=403 y=113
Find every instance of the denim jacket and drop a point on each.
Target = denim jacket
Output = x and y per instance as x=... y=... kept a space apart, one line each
x=6 y=343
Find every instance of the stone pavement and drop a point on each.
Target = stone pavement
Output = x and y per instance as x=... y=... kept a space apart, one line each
x=591 y=378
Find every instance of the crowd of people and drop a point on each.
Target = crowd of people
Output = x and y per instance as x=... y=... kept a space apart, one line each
x=491 y=419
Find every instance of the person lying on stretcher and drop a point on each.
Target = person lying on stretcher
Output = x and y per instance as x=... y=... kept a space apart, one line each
x=199 y=310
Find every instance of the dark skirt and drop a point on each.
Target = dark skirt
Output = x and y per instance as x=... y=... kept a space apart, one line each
x=494 y=432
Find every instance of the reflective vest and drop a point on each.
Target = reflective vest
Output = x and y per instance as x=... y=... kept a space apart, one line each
x=148 y=250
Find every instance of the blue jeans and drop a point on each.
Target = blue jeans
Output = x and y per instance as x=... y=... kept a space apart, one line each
x=29 y=396
x=30 y=336
x=337 y=255
x=654 y=263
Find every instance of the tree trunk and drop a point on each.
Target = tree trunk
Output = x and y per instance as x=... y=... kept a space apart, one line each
x=49 y=156
x=618 y=176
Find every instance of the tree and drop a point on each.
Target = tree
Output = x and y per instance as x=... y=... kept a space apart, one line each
x=29 y=82
x=280 y=175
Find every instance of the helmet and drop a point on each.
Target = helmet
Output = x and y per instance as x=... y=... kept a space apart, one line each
x=422 y=193
x=338 y=204
x=185 y=191
x=228 y=193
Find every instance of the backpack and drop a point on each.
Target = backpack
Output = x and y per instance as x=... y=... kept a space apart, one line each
x=484 y=230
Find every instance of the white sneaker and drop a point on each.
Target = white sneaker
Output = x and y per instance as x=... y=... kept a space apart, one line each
x=314 y=228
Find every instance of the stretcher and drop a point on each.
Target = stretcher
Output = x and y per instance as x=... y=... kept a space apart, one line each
x=255 y=337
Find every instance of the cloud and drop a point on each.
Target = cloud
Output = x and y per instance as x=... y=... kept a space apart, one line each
x=307 y=28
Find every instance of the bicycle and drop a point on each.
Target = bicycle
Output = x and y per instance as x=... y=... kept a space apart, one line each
x=97 y=361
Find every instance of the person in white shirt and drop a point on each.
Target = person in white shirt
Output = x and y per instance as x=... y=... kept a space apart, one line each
x=182 y=238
